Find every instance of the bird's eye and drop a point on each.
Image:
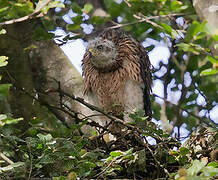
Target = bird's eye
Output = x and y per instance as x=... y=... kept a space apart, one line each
x=100 y=47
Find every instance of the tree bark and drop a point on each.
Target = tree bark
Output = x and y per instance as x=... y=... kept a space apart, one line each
x=35 y=66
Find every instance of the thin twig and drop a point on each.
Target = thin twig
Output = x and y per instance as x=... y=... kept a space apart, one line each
x=104 y=170
x=155 y=159
x=128 y=4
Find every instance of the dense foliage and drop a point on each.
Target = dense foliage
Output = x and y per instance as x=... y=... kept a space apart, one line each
x=188 y=80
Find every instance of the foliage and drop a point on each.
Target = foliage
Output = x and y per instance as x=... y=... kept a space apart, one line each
x=191 y=71
x=198 y=170
x=45 y=153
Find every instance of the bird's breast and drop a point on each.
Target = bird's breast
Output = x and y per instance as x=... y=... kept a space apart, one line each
x=108 y=88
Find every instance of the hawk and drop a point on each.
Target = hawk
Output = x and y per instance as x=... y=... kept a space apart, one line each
x=117 y=74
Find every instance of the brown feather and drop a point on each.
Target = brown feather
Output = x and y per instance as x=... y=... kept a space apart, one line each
x=108 y=84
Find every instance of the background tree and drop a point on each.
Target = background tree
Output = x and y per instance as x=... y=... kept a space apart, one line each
x=43 y=85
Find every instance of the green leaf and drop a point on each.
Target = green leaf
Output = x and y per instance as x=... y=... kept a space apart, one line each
x=215 y=37
x=108 y=159
x=171 y=159
x=210 y=171
x=60 y=178
x=77 y=19
x=214 y=164
x=87 y=8
x=72 y=27
x=48 y=23
x=89 y=164
x=183 y=46
x=194 y=48
x=116 y=153
x=213 y=60
x=20 y=9
x=174 y=153
x=3 y=116
x=210 y=71
x=129 y=151
x=4 y=89
x=97 y=20
x=52 y=4
x=177 y=6
x=3 y=31
x=77 y=9
x=194 y=28
x=7 y=120
x=196 y=167
x=167 y=28
x=39 y=146
x=3 y=9
x=31 y=47
x=184 y=151
x=42 y=34
x=183 y=159
x=3 y=61
x=45 y=138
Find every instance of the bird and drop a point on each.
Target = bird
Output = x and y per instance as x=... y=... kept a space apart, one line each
x=117 y=74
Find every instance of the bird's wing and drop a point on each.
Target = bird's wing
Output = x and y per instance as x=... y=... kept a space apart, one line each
x=136 y=62
x=87 y=72
x=147 y=80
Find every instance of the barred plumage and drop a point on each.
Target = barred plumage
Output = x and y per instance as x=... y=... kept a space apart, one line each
x=117 y=73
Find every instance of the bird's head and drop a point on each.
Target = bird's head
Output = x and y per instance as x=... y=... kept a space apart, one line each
x=102 y=53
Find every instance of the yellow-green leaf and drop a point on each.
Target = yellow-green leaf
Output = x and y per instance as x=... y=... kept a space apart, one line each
x=3 y=61
x=3 y=31
x=87 y=8
x=208 y=72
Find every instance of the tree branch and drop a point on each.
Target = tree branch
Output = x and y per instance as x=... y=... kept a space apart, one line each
x=36 y=13
x=147 y=19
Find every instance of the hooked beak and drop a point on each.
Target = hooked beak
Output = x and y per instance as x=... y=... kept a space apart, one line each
x=92 y=52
